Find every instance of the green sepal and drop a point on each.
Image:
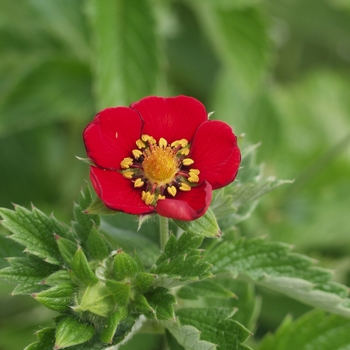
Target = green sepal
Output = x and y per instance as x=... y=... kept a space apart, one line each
x=82 y=269
x=124 y=266
x=97 y=299
x=120 y=291
x=206 y=225
x=67 y=249
x=70 y=331
x=97 y=245
x=112 y=323
x=162 y=302
x=97 y=207
x=57 y=298
x=46 y=339
x=141 y=305
x=143 y=281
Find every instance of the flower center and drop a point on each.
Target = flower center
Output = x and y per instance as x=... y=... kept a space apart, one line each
x=160 y=165
x=160 y=169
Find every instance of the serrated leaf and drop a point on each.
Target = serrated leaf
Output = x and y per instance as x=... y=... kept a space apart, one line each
x=181 y=262
x=82 y=269
x=67 y=249
x=206 y=289
x=34 y=230
x=274 y=266
x=57 y=298
x=58 y=277
x=162 y=303
x=46 y=340
x=124 y=266
x=206 y=225
x=96 y=245
x=28 y=273
x=70 y=331
x=314 y=330
x=216 y=326
x=112 y=323
x=127 y=62
x=188 y=337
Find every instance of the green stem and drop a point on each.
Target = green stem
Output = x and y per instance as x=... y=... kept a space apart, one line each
x=164 y=231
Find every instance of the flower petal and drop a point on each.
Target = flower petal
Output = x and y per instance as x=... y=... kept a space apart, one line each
x=187 y=206
x=118 y=193
x=111 y=136
x=215 y=153
x=172 y=118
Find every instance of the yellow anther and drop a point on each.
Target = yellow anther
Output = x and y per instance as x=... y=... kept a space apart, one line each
x=185 y=187
x=187 y=161
x=182 y=143
x=147 y=197
x=128 y=174
x=138 y=183
x=126 y=162
x=140 y=144
x=162 y=142
x=193 y=178
x=147 y=138
x=161 y=197
x=136 y=153
x=184 y=151
x=172 y=190
x=194 y=171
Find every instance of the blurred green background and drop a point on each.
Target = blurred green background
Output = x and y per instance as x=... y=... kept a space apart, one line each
x=276 y=70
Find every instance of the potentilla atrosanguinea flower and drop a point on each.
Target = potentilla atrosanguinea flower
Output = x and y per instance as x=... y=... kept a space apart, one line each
x=160 y=155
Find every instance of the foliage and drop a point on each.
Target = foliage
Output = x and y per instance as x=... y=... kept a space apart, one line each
x=276 y=71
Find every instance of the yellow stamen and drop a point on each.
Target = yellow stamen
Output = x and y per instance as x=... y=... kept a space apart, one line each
x=128 y=174
x=194 y=171
x=161 y=197
x=147 y=197
x=147 y=138
x=184 y=151
x=140 y=144
x=193 y=178
x=138 y=183
x=172 y=190
x=182 y=143
x=187 y=161
x=185 y=187
x=136 y=153
x=162 y=142
x=126 y=162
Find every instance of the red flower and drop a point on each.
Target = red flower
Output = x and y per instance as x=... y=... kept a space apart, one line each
x=160 y=155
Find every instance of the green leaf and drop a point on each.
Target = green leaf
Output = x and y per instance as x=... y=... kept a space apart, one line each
x=35 y=231
x=314 y=330
x=143 y=281
x=206 y=289
x=274 y=266
x=162 y=302
x=28 y=272
x=82 y=269
x=84 y=223
x=216 y=326
x=70 y=331
x=181 y=262
x=57 y=298
x=206 y=225
x=96 y=245
x=124 y=266
x=127 y=56
x=67 y=249
x=58 y=277
x=188 y=337
x=46 y=340
x=120 y=291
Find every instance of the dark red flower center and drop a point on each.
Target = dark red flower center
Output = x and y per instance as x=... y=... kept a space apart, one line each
x=160 y=169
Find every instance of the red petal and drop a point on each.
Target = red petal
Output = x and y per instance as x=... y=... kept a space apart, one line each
x=187 y=206
x=215 y=153
x=173 y=118
x=111 y=136
x=118 y=193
